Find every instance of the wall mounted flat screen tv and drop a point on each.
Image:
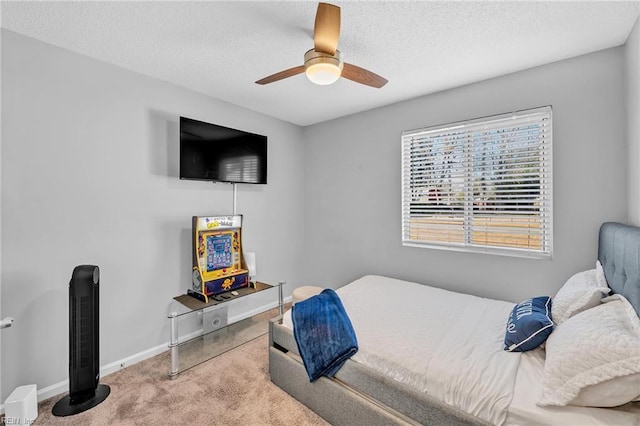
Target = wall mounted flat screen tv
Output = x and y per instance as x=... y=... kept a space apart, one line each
x=220 y=154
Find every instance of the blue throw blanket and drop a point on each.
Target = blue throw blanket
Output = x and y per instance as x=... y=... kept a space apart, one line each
x=323 y=333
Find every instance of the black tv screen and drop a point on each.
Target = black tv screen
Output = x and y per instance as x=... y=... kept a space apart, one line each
x=220 y=154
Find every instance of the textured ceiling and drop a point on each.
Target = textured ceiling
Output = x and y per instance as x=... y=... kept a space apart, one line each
x=221 y=48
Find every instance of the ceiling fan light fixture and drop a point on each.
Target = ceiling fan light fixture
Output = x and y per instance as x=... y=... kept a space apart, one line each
x=323 y=74
x=322 y=68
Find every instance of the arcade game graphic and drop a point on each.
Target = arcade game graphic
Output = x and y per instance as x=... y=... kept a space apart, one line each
x=217 y=256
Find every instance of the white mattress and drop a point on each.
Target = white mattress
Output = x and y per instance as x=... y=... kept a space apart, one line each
x=425 y=338
x=523 y=410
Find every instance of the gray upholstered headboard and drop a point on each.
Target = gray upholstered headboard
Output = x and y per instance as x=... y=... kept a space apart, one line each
x=619 y=253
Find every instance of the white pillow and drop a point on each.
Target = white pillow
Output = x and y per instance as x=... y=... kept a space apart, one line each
x=581 y=291
x=596 y=351
x=610 y=392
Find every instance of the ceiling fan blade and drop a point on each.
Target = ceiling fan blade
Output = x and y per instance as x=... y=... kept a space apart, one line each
x=282 y=75
x=362 y=76
x=326 y=31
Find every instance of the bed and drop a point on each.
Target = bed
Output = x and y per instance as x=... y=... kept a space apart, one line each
x=448 y=366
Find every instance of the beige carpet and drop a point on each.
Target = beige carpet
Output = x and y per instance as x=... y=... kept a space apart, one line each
x=231 y=389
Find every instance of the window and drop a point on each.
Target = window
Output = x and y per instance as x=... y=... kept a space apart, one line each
x=481 y=185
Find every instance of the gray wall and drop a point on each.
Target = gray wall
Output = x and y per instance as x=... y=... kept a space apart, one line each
x=352 y=181
x=632 y=93
x=89 y=175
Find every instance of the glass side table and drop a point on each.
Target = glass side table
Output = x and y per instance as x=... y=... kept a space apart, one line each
x=201 y=331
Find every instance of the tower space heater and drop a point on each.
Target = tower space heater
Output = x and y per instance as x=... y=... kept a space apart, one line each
x=85 y=392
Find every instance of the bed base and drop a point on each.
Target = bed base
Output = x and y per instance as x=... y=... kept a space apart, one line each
x=357 y=394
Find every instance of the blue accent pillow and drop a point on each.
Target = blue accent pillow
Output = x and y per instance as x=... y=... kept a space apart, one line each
x=529 y=324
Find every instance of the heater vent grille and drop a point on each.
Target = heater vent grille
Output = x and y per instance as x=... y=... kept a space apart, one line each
x=85 y=328
x=73 y=360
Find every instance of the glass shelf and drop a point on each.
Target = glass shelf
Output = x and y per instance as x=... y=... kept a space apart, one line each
x=201 y=331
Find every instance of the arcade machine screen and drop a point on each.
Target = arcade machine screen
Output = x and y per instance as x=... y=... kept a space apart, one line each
x=219 y=254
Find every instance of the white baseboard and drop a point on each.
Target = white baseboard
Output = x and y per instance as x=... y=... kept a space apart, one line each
x=62 y=387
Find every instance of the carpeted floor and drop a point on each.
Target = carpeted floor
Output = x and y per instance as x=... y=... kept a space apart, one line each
x=231 y=389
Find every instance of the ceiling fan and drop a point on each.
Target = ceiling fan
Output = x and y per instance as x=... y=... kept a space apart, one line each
x=323 y=64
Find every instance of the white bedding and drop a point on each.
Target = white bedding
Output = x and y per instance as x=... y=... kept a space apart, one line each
x=426 y=338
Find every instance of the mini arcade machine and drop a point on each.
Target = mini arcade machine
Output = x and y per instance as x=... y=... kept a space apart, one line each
x=218 y=264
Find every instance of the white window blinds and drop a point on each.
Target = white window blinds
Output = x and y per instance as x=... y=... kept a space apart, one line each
x=480 y=185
